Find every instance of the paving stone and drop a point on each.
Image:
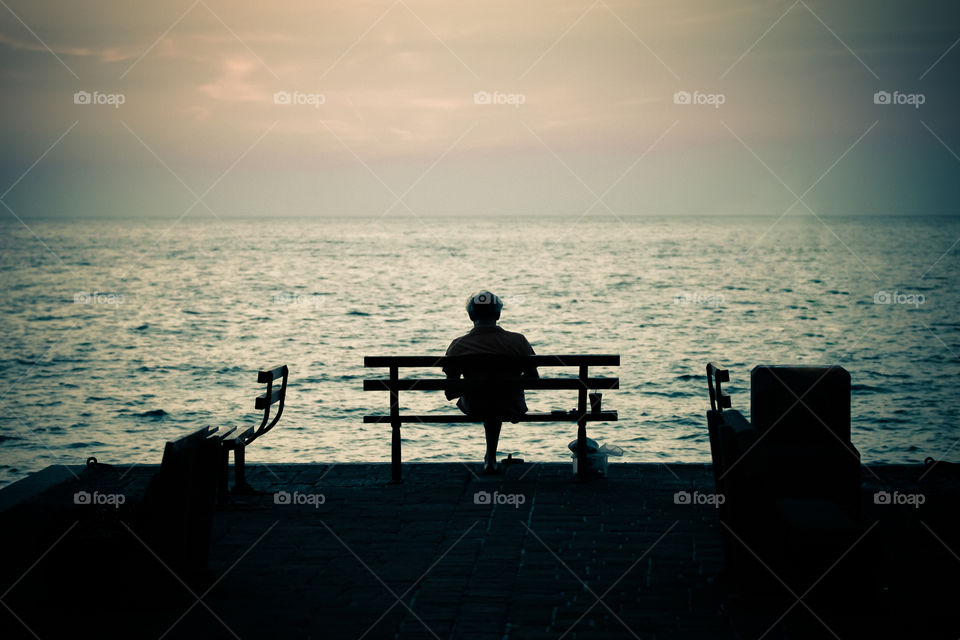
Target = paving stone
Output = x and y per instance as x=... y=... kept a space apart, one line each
x=467 y=570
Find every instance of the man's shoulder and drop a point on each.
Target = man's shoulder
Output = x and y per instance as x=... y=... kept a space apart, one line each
x=456 y=342
x=518 y=339
x=491 y=340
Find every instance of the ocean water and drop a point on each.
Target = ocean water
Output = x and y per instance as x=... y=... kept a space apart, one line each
x=120 y=335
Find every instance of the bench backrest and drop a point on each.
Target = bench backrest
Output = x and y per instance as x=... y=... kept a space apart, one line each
x=717 y=375
x=490 y=374
x=493 y=366
x=272 y=395
x=798 y=404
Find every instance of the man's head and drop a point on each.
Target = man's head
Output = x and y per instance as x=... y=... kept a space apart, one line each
x=484 y=308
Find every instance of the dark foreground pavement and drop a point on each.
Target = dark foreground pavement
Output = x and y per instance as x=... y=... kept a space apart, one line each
x=335 y=551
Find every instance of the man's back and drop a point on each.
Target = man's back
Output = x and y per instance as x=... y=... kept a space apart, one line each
x=490 y=340
x=494 y=340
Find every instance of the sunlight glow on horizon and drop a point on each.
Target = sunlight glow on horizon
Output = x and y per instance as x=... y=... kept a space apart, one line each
x=491 y=108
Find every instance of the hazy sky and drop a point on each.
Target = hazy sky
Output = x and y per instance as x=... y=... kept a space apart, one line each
x=582 y=117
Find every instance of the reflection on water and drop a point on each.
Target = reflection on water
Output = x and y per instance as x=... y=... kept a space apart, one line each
x=142 y=334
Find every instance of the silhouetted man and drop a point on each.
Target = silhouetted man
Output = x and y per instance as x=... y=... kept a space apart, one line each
x=487 y=338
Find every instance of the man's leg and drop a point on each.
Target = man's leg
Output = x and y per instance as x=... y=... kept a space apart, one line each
x=492 y=430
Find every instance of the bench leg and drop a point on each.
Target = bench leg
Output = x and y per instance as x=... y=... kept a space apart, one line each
x=582 y=424
x=240 y=472
x=395 y=456
x=581 y=449
x=222 y=473
x=395 y=424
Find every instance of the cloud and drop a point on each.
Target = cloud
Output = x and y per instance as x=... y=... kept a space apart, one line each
x=399 y=82
x=235 y=84
x=104 y=54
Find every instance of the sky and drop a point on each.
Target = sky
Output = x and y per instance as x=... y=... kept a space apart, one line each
x=421 y=108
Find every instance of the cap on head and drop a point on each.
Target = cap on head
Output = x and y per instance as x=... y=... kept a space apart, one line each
x=484 y=306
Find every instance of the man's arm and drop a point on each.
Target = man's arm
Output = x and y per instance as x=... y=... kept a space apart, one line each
x=451 y=393
x=452 y=373
x=530 y=372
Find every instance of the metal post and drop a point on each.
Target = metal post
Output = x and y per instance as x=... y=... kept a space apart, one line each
x=240 y=471
x=395 y=424
x=582 y=425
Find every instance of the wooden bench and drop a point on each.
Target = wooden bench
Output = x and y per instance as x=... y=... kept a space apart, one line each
x=394 y=384
x=237 y=442
x=799 y=428
x=792 y=459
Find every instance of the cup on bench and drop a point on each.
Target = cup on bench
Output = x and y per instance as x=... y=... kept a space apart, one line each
x=595 y=402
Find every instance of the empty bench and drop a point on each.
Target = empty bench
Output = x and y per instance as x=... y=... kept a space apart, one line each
x=790 y=474
x=237 y=442
x=583 y=414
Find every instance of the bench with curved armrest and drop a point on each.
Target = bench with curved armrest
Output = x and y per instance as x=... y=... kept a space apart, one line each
x=237 y=442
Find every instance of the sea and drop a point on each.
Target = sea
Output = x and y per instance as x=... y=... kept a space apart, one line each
x=119 y=335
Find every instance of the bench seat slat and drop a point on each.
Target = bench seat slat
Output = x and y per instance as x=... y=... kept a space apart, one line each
x=439 y=384
x=240 y=438
x=436 y=418
x=538 y=361
x=190 y=439
x=274 y=396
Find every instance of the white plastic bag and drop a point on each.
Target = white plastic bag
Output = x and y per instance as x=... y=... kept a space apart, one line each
x=611 y=450
x=596 y=456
